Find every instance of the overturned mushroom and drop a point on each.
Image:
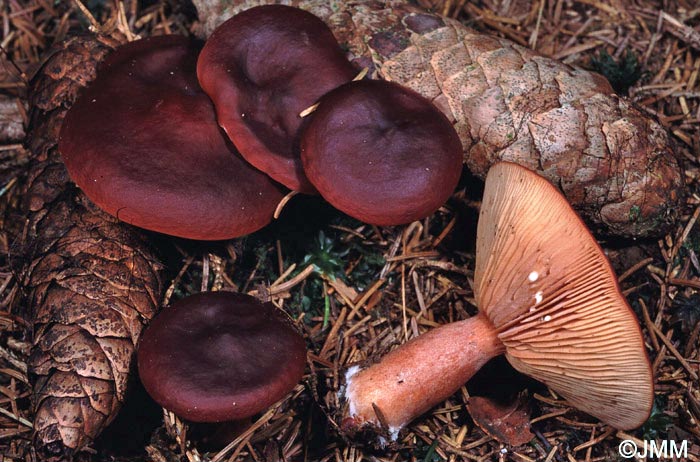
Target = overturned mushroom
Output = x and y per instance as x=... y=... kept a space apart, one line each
x=381 y=152
x=142 y=142
x=548 y=300
x=262 y=68
x=220 y=357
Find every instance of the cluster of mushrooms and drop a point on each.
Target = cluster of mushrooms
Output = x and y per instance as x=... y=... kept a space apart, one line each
x=144 y=140
x=201 y=143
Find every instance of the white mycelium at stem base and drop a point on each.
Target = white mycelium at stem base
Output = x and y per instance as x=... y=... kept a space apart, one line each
x=412 y=379
x=548 y=299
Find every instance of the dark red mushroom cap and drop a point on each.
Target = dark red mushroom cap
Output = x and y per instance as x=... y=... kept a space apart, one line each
x=381 y=152
x=262 y=68
x=220 y=356
x=143 y=143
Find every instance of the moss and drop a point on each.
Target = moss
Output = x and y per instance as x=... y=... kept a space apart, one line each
x=635 y=213
x=622 y=73
x=659 y=422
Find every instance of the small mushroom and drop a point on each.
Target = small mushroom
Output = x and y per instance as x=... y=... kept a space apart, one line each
x=220 y=357
x=143 y=143
x=381 y=153
x=548 y=300
x=262 y=68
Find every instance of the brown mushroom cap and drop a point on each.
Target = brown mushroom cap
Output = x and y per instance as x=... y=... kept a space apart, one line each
x=381 y=153
x=143 y=143
x=545 y=284
x=262 y=68
x=220 y=356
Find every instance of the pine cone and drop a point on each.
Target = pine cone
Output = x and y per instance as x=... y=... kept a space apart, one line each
x=90 y=282
x=612 y=162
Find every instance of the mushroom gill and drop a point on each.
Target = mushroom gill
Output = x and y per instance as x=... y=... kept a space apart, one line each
x=548 y=299
x=545 y=284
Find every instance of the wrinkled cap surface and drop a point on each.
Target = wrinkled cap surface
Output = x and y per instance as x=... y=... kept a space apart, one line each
x=381 y=153
x=262 y=68
x=143 y=143
x=546 y=286
x=220 y=356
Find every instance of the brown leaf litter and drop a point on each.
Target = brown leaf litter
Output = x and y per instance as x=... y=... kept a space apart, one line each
x=425 y=277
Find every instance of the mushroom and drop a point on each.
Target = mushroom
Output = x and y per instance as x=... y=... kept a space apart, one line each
x=220 y=357
x=548 y=300
x=262 y=68
x=143 y=143
x=381 y=152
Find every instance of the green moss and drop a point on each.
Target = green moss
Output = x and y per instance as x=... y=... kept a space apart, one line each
x=635 y=213
x=659 y=422
x=622 y=73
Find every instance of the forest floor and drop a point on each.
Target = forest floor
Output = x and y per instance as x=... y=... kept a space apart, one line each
x=360 y=290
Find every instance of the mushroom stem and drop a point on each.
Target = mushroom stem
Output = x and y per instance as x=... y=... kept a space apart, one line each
x=419 y=374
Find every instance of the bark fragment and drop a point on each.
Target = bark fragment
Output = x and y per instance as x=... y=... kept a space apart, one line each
x=90 y=282
x=612 y=162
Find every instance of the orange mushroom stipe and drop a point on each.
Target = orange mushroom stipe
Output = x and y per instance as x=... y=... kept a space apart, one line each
x=548 y=299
